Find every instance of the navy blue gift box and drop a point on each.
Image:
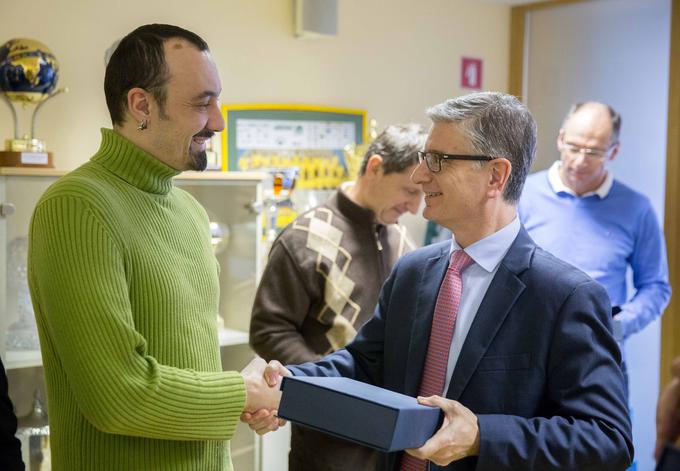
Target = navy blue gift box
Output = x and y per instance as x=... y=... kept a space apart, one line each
x=359 y=412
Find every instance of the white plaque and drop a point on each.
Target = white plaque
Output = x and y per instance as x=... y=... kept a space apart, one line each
x=34 y=158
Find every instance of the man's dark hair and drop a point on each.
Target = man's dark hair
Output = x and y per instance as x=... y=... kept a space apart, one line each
x=139 y=61
x=398 y=145
x=498 y=125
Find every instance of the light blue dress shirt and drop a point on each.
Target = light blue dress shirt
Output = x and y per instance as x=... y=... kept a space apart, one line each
x=487 y=255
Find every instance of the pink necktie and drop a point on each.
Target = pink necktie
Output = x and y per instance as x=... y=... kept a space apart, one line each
x=443 y=326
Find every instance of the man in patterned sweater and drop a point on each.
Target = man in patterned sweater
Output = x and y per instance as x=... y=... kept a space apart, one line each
x=324 y=274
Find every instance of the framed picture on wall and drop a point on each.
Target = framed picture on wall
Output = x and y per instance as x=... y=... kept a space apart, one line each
x=310 y=140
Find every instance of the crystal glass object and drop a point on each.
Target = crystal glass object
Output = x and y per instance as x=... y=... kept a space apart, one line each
x=22 y=334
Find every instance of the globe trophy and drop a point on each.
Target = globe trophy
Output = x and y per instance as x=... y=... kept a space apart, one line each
x=28 y=77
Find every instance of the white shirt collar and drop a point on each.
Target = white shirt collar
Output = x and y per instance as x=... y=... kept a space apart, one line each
x=488 y=252
x=558 y=185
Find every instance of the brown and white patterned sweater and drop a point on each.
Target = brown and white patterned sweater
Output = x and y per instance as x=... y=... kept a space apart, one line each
x=320 y=285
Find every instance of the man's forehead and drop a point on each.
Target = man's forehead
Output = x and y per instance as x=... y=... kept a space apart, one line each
x=591 y=115
x=443 y=136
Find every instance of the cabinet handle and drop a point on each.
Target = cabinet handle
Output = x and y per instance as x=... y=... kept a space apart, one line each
x=7 y=209
x=254 y=207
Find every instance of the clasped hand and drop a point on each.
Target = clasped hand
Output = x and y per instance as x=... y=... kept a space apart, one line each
x=263 y=395
x=457 y=438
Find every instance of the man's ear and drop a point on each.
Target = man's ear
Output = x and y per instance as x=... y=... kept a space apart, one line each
x=374 y=166
x=138 y=104
x=614 y=152
x=560 y=138
x=501 y=168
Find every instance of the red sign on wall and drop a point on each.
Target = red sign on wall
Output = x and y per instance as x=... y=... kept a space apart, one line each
x=471 y=73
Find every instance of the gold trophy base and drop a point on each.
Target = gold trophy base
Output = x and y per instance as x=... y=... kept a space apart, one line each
x=25 y=159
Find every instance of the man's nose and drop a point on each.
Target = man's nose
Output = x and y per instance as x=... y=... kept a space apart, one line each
x=581 y=158
x=420 y=173
x=216 y=120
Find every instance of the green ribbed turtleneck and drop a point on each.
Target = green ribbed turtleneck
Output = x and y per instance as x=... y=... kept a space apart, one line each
x=125 y=291
x=132 y=164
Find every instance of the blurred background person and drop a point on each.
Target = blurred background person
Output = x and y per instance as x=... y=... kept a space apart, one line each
x=325 y=271
x=580 y=213
x=668 y=412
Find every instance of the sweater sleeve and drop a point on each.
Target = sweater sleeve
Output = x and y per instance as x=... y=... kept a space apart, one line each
x=650 y=277
x=282 y=304
x=77 y=276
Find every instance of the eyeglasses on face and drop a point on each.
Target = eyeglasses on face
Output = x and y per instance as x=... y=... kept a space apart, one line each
x=593 y=153
x=434 y=159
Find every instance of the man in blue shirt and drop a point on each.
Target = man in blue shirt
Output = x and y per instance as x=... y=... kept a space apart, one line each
x=580 y=213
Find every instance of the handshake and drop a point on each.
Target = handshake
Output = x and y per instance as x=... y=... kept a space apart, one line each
x=458 y=435
x=263 y=395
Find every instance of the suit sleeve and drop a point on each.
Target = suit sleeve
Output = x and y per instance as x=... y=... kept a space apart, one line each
x=10 y=447
x=588 y=427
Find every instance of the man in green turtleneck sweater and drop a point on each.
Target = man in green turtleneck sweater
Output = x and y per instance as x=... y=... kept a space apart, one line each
x=124 y=281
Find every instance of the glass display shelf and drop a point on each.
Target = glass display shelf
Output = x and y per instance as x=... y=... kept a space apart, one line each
x=31 y=358
x=22 y=359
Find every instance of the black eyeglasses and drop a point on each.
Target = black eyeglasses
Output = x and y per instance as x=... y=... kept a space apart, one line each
x=434 y=159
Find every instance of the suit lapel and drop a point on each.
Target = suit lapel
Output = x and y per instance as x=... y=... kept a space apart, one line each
x=503 y=292
x=427 y=289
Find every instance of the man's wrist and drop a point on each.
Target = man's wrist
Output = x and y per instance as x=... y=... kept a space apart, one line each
x=617 y=328
x=474 y=450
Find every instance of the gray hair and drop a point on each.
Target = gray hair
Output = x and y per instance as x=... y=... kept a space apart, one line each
x=398 y=145
x=613 y=115
x=497 y=125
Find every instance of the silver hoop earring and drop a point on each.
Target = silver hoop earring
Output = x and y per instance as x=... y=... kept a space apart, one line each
x=142 y=125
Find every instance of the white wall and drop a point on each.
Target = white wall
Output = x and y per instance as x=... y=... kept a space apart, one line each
x=616 y=51
x=393 y=58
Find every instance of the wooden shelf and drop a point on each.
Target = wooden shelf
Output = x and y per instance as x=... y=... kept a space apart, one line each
x=16 y=359
x=32 y=171
x=209 y=175
x=22 y=359
x=222 y=176
x=230 y=337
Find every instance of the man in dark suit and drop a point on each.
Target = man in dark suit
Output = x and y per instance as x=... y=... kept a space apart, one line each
x=514 y=345
x=10 y=447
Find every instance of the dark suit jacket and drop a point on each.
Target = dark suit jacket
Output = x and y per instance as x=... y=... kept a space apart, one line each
x=10 y=447
x=539 y=366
